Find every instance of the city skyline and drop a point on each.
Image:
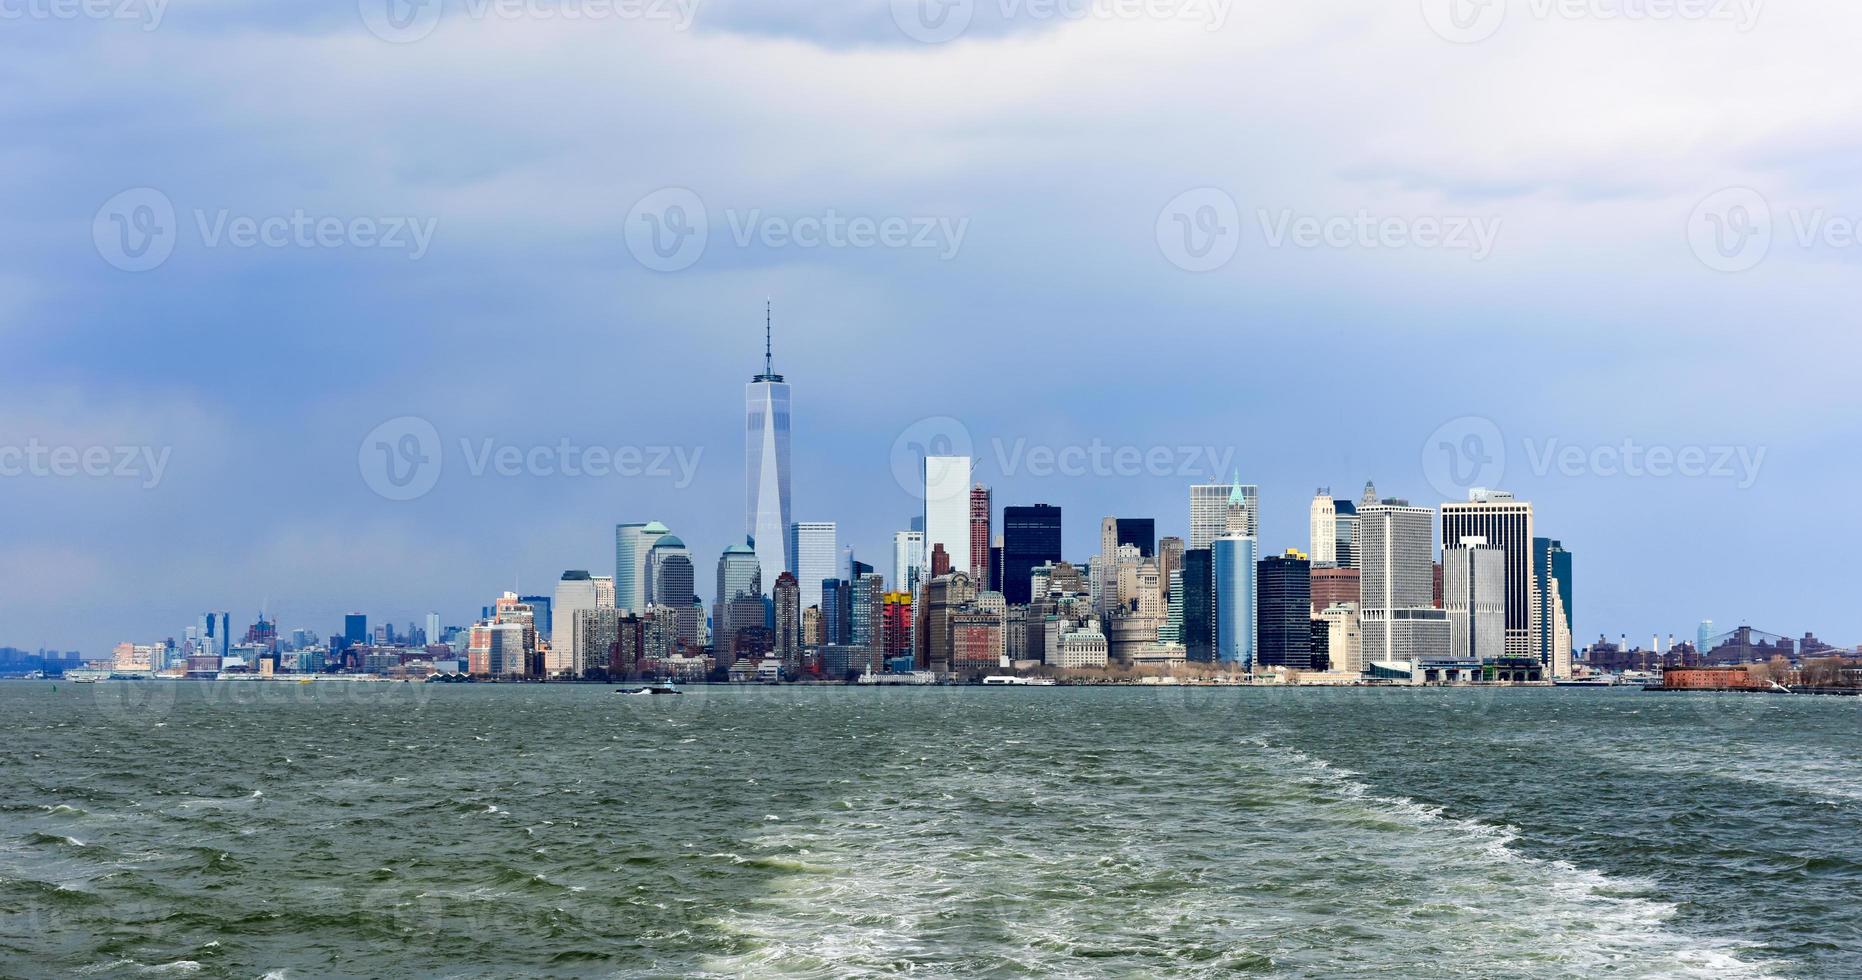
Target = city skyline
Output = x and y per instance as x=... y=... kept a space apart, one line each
x=252 y=376
x=1213 y=507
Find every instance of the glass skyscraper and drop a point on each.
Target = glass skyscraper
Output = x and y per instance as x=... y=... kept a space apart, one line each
x=813 y=555
x=947 y=509
x=766 y=465
x=1030 y=539
x=1285 y=611
x=1232 y=557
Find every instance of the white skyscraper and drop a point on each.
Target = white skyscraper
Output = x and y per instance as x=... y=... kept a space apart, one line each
x=1506 y=524
x=1209 y=508
x=433 y=628
x=766 y=465
x=574 y=592
x=1474 y=596
x=813 y=556
x=1324 y=529
x=947 y=509
x=1398 y=621
x=632 y=543
x=908 y=559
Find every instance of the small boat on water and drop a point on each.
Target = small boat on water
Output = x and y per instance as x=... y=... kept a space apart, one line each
x=651 y=689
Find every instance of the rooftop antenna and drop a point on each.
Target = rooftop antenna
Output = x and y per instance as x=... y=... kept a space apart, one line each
x=769 y=358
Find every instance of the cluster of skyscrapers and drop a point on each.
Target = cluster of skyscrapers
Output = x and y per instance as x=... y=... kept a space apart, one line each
x=1383 y=590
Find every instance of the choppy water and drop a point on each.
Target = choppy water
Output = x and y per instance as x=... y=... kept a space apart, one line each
x=307 y=831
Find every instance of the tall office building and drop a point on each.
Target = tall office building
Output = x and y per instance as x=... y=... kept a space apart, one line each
x=1284 y=610
x=1140 y=532
x=1198 y=637
x=979 y=534
x=1474 y=597
x=944 y=596
x=908 y=560
x=766 y=463
x=1398 y=620
x=1345 y=524
x=1551 y=566
x=574 y=593
x=866 y=616
x=947 y=508
x=655 y=588
x=1322 y=527
x=1236 y=624
x=1030 y=539
x=898 y=629
x=672 y=581
x=433 y=629
x=543 y=609
x=836 y=612
x=740 y=577
x=787 y=596
x=1506 y=523
x=355 y=630
x=813 y=554
x=632 y=543
x=1209 y=511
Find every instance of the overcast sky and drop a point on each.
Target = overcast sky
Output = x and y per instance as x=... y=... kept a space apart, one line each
x=1607 y=262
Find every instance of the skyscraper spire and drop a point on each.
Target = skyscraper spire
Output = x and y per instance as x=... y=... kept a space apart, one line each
x=769 y=357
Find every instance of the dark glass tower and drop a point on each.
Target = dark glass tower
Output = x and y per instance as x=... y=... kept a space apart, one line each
x=1139 y=531
x=1199 y=605
x=1030 y=539
x=1285 y=610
